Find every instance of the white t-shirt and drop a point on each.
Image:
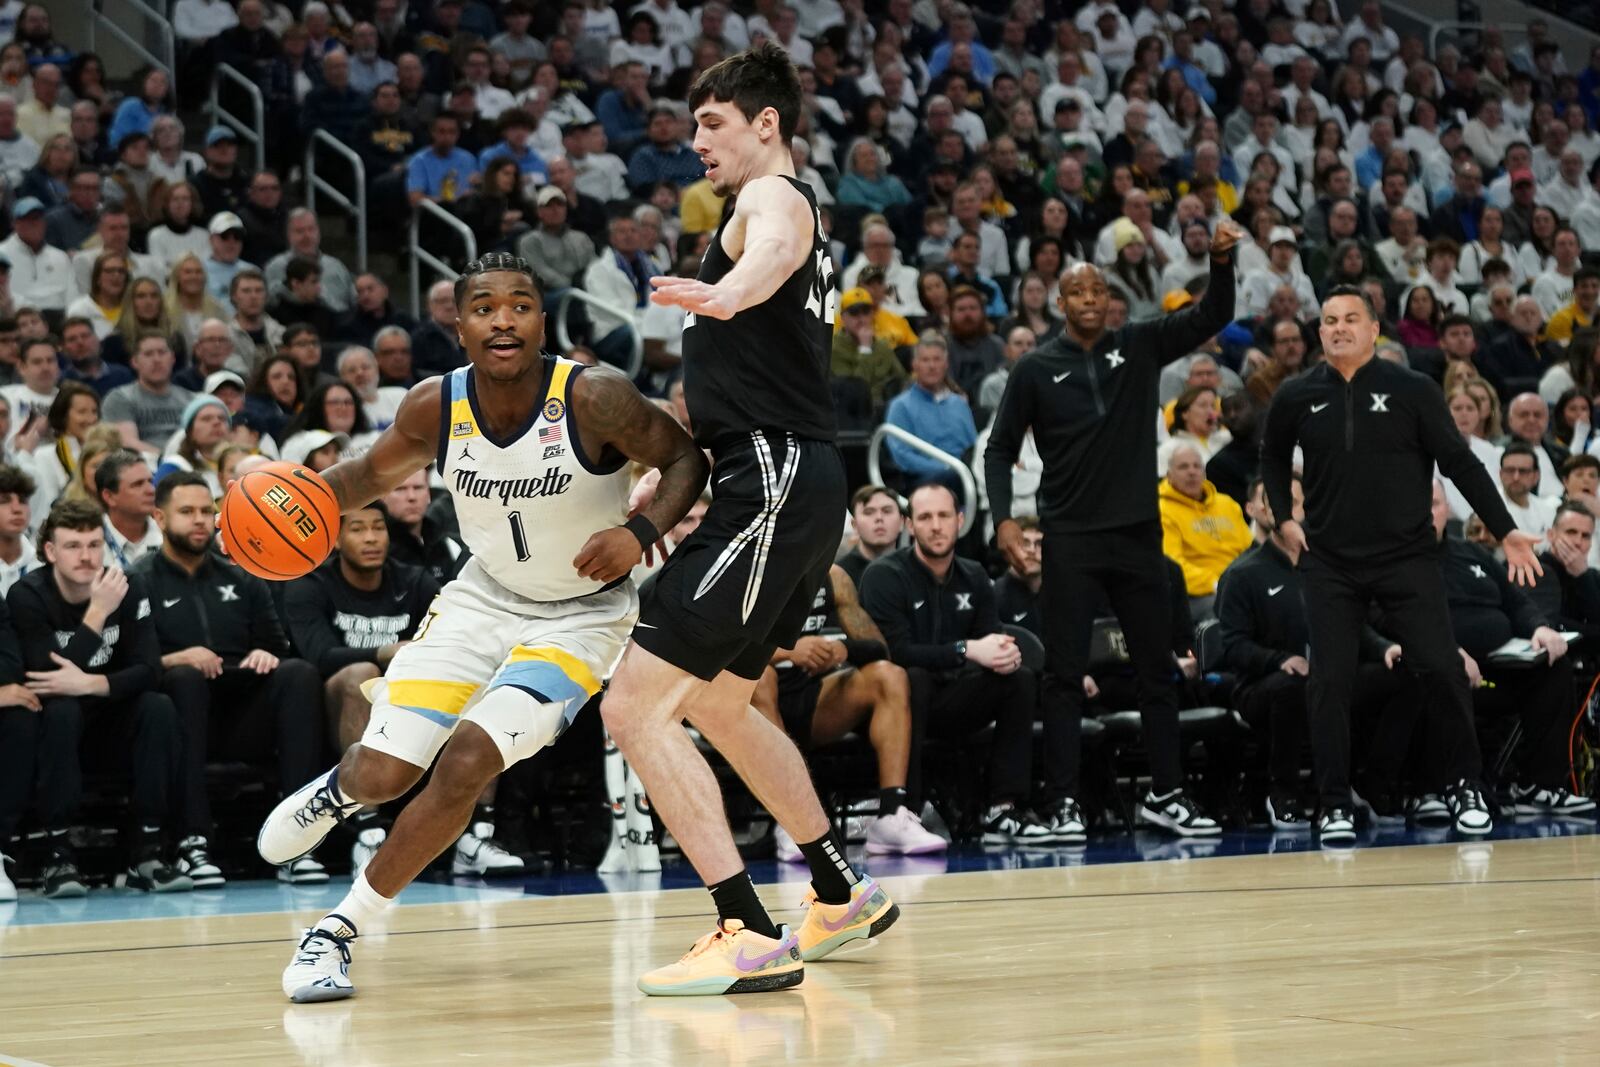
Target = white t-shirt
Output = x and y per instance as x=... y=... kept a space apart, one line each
x=1536 y=517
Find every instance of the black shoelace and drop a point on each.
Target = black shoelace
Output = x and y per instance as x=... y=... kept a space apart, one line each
x=320 y=804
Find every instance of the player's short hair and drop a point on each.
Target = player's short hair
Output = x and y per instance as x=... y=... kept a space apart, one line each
x=13 y=480
x=177 y=480
x=67 y=514
x=301 y=268
x=491 y=262
x=1454 y=319
x=1574 y=507
x=760 y=77
x=1357 y=292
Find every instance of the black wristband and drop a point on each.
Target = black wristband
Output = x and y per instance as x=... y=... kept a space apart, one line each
x=644 y=530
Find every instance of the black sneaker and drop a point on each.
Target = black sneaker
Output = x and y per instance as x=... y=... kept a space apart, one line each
x=1006 y=824
x=194 y=860
x=150 y=874
x=1336 y=828
x=1065 y=823
x=1469 y=809
x=1537 y=800
x=60 y=877
x=1179 y=813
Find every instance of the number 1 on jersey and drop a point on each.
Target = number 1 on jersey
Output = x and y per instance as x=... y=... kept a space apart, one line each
x=519 y=539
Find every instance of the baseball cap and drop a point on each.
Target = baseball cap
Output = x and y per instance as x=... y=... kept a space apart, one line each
x=26 y=206
x=855 y=298
x=222 y=377
x=223 y=221
x=871 y=273
x=302 y=444
x=549 y=195
x=218 y=134
x=1522 y=175
x=1197 y=12
x=1175 y=299
x=1282 y=235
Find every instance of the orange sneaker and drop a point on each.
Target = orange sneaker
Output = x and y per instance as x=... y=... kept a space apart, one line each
x=730 y=959
x=828 y=927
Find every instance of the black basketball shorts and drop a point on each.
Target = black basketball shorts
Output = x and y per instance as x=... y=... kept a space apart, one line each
x=742 y=584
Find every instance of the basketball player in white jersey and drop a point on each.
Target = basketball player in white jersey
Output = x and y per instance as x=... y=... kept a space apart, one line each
x=535 y=451
x=756 y=358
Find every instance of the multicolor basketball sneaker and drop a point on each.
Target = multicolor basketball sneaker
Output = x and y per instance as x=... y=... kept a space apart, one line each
x=730 y=959
x=829 y=927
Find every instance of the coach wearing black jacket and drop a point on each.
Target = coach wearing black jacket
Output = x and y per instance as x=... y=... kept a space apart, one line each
x=1261 y=621
x=937 y=614
x=1371 y=432
x=226 y=663
x=1088 y=396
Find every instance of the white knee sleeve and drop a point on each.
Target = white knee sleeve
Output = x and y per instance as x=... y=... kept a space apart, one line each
x=518 y=724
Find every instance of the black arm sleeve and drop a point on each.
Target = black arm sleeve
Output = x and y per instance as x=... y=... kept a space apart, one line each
x=1176 y=335
x=1011 y=422
x=266 y=630
x=1278 y=438
x=1456 y=461
x=859 y=653
x=308 y=610
x=884 y=596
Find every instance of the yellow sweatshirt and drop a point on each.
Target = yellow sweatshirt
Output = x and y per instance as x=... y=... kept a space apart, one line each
x=1202 y=536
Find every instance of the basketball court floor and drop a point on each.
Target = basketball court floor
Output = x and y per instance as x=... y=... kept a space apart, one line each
x=1257 y=949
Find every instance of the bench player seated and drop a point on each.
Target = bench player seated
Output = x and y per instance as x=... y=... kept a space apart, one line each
x=836 y=677
x=535 y=452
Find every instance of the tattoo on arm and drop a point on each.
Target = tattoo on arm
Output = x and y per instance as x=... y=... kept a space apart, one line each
x=858 y=625
x=610 y=408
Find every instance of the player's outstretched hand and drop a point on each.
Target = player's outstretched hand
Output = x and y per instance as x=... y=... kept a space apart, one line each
x=694 y=295
x=608 y=555
x=1228 y=234
x=1522 y=563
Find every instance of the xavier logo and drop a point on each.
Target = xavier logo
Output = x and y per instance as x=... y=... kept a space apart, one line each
x=963 y=601
x=1317 y=407
x=1114 y=357
x=1380 y=402
x=227 y=593
x=1478 y=572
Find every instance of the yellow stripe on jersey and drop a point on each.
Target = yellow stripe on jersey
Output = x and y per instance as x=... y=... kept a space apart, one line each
x=445 y=698
x=570 y=665
x=555 y=397
x=462 y=424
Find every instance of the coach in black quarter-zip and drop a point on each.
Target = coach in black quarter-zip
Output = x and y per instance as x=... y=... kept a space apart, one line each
x=1371 y=432
x=1089 y=397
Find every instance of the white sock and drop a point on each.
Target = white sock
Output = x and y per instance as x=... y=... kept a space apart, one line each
x=362 y=905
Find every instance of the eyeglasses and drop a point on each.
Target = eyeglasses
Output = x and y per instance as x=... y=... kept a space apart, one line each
x=1520 y=472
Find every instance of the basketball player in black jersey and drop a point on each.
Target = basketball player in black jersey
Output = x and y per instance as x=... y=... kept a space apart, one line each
x=756 y=349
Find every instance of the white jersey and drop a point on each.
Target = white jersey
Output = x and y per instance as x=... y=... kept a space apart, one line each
x=528 y=503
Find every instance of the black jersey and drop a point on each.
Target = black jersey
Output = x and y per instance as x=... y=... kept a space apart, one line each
x=767 y=367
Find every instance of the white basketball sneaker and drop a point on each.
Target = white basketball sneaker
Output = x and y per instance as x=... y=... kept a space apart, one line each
x=320 y=969
x=903 y=834
x=8 y=888
x=477 y=852
x=301 y=820
x=303 y=871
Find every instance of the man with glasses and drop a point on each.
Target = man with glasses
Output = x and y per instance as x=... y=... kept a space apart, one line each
x=1519 y=477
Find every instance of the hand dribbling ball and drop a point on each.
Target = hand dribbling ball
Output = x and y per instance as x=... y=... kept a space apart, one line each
x=279 y=522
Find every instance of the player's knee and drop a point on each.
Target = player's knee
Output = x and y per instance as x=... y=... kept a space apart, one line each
x=348 y=680
x=470 y=761
x=620 y=718
x=373 y=777
x=889 y=681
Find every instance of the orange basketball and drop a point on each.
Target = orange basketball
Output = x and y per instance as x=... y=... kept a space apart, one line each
x=279 y=522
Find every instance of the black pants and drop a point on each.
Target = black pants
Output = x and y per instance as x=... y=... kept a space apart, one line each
x=1546 y=701
x=1080 y=570
x=955 y=706
x=1387 y=711
x=42 y=755
x=1411 y=594
x=246 y=716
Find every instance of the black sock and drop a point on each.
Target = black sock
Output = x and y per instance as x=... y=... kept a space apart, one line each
x=891 y=799
x=736 y=899
x=831 y=874
x=366 y=819
x=483 y=813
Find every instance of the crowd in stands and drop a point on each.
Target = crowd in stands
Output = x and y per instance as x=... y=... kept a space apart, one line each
x=169 y=315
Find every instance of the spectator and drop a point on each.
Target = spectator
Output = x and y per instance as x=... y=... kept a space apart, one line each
x=435 y=345
x=44 y=116
x=1017 y=591
x=866 y=184
x=932 y=411
x=274 y=393
x=335 y=106
x=222 y=186
x=1019 y=341
x=47 y=180
x=18 y=151
x=30 y=398
x=1580 y=312
x=372 y=312
x=444 y=171
x=125 y=490
x=1201 y=530
x=489 y=100
x=1419 y=324
x=213 y=351
x=860 y=354
x=101 y=305
x=255 y=334
x=92 y=656
x=137 y=111
x=177 y=230
x=1528 y=420
x=70 y=225
x=900 y=279
x=417 y=539
x=305 y=239
x=368 y=68
x=620 y=276
x=303 y=302
x=1553 y=287
x=391 y=346
x=358 y=369
x=73 y=418
x=113 y=233
x=974 y=350
x=964 y=273
x=599 y=174
x=225 y=662
x=265 y=219
x=202 y=430
x=663 y=156
x=559 y=254
x=1519 y=475
x=1282 y=269
x=41 y=274
x=81 y=346
x=1486 y=610
x=516 y=126
x=223 y=261
x=972 y=669
x=877 y=521
x=188 y=302
x=148 y=408
x=624 y=111
x=1569 y=593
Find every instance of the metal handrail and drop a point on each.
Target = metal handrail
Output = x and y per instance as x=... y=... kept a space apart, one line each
x=969 y=487
x=255 y=131
x=358 y=169
x=421 y=256
x=163 y=27
x=1436 y=29
x=564 y=339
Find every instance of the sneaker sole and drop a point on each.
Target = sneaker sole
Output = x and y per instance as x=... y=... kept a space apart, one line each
x=918 y=850
x=305 y=879
x=70 y=891
x=712 y=987
x=1166 y=822
x=316 y=994
x=1473 y=831
x=823 y=949
x=215 y=881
